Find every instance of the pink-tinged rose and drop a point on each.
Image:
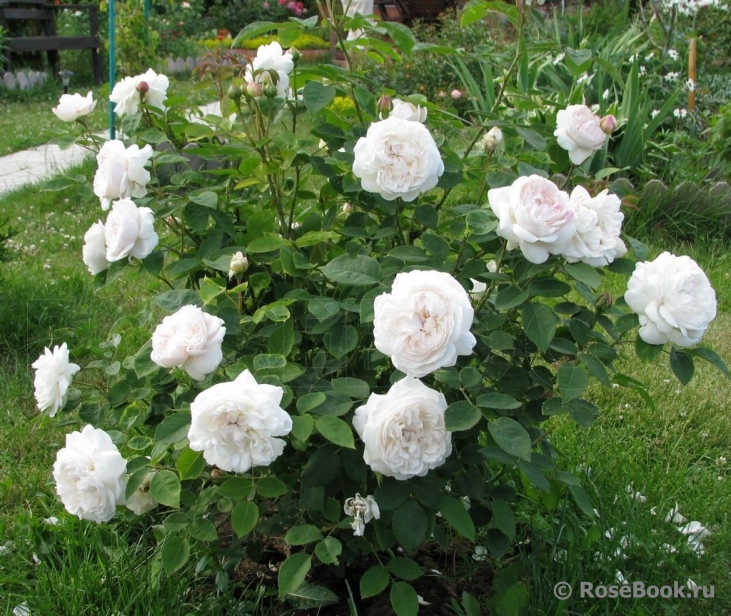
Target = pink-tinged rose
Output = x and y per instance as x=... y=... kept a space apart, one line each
x=424 y=323
x=404 y=431
x=189 y=338
x=397 y=158
x=121 y=172
x=534 y=215
x=598 y=223
x=235 y=424
x=673 y=298
x=129 y=231
x=579 y=132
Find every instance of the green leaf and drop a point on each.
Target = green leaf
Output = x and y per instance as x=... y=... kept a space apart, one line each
x=302 y=426
x=405 y=568
x=203 y=530
x=165 y=488
x=244 y=517
x=374 y=582
x=502 y=516
x=266 y=243
x=293 y=572
x=404 y=600
x=328 y=550
x=252 y=30
x=511 y=437
x=641 y=251
x=339 y=341
x=461 y=415
x=336 y=431
x=455 y=513
x=321 y=468
x=57 y=184
x=311 y=596
x=494 y=400
x=355 y=388
x=647 y=353
x=236 y=487
x=142 y=364
x=481 y=222
x=271 y=487
x=572 y=381
x=303 y=534
x=210 y=290
x=135 y=480
x=175 y=554
x=310 y=401
x=190 y=464
x=410 y=525
x=582 y=500
x=540 y=324
x=713 y=358
x=682 y=365
x=583 y=273
x=173 y=428
x=317 y=95
x=354 y=271
x=172 y=301
x=281 y=340
x=269 y=361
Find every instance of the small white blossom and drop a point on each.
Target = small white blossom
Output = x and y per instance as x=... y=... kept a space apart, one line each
x=690 y=84
x=680 y=113
x=363 y=511
x=675 y=516
x=720 y=460
x=558 y=58
x=643 y=70
x=672 y=77
x=480 y=553
x=673 y=54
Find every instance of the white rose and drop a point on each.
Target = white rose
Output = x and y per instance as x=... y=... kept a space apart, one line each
x=141 y=500
x=579 y=131
x=94 y=251
x=54 y=374
x=73 y=106
x=534 y=215
x=189 y=338
x=271 y=57
x=157 y=88
x=89 y=474
x=129 y=231
x=403 y=431
x=598 y=223
x=408 y=111
x=673 y=298
x=424 y=323
x=363 y=511
x=127 y=96
x=397 y=158
x=121 y=172
x=235 y=424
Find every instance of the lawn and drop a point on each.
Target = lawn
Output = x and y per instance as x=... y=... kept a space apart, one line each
x=26 y=119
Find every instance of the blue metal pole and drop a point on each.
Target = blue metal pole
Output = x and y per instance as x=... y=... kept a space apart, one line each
x=112 y=61
x=147 y=10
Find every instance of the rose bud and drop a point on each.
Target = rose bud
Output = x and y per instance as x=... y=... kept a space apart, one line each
x=492 y=139
x=234 y=93
x=143 y=87
x=270 y=90
x=608 y=124
x=254 y=89
x=384 y=106
x=296 y=55
x=239 y=264
x=347 y=208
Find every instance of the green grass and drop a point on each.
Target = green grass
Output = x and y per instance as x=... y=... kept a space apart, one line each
x=672 y=453
x=26 y=119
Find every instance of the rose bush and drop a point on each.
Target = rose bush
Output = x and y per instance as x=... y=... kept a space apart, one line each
x=320 y=342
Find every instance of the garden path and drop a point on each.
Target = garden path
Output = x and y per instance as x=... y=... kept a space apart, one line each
x=43 y=162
